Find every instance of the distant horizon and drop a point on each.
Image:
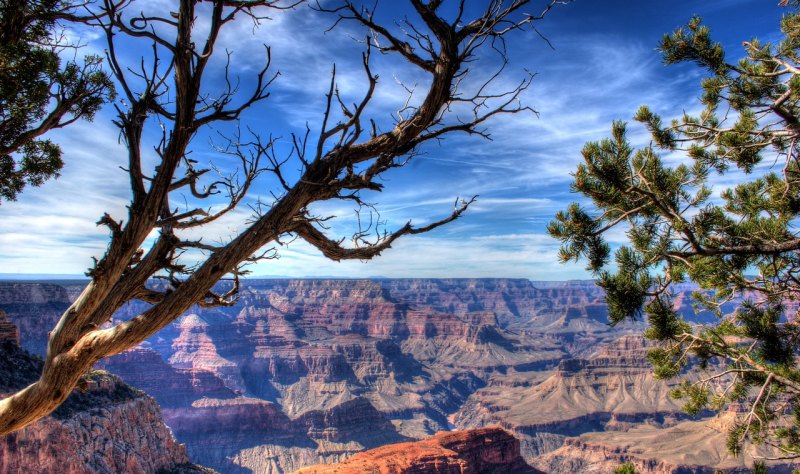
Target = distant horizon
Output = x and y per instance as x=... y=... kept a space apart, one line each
x=35 y=277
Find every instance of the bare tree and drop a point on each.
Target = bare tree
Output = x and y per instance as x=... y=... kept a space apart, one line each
x=347 y=157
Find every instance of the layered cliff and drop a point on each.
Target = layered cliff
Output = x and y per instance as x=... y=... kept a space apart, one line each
x=252 y=435
x=481 y=451
x=329 y=368
x=108 y=427
x=146 y=370
x=34 y=309
x=612 y=390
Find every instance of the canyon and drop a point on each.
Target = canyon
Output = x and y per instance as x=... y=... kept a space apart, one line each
x=107 y=427
x=304 y=372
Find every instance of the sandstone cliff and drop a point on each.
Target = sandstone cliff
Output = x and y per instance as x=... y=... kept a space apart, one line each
x=612 y=390
x=107 y=428
x=481 y=451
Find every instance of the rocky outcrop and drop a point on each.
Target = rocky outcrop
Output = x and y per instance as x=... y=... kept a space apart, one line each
x=481 y=451
x=108 y=427
x=127 y=436
x=613 y=390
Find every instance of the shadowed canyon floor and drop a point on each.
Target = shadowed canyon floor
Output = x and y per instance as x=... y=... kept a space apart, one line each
x=302 y=372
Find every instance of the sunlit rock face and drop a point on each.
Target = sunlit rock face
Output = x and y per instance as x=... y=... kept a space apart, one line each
x=479 y=451
x=300 y=372
x=108 y=427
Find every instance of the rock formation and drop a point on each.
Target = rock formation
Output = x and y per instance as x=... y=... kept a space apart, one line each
x=108 y=427
x=315 y=349
x=480 y=451
x=8 y=331
x=612 y=390
x=146 y=370
x=34 y=309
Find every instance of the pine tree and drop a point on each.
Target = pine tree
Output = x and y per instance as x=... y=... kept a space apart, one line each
x=38 y=93
x=627 y=468
x=741 y=245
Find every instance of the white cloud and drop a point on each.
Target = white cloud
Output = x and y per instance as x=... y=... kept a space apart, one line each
x=521 y=177
x=51 y=229
x=516 y=255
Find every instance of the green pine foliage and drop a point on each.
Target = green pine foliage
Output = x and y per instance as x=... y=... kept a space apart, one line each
x=39 y=92
x=739 y=245
x=626 y=468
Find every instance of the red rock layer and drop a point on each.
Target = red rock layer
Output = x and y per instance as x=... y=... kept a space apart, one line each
x=106 y=428
x=481 y=451
x=8 y=331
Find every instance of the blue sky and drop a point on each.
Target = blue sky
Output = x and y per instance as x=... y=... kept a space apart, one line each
x=603 y=65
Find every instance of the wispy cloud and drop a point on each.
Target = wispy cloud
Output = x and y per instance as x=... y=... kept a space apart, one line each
x=510 y=255
x=604 y=66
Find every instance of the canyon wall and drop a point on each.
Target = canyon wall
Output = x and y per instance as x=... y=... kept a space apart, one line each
x=612 y=390
x=108 y=427
x=686 y=447
x=35 y=309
